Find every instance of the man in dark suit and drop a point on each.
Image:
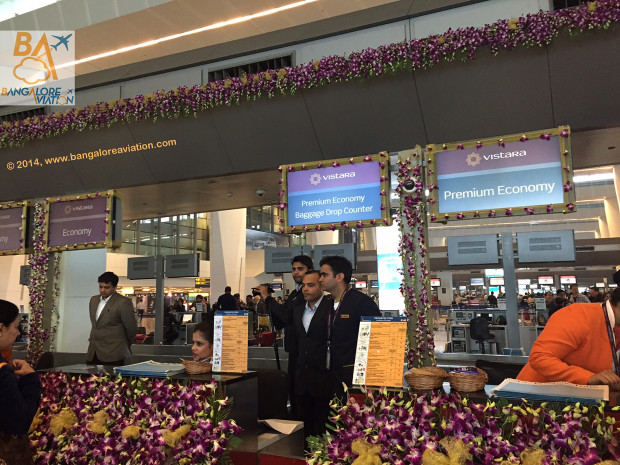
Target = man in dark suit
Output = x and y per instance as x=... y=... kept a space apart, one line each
x=113 y=322
x=344 y=321
x=313 y=386
x=282 y=317
x=226 y=301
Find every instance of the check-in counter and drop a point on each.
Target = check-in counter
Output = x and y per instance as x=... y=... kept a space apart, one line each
x=462 y=342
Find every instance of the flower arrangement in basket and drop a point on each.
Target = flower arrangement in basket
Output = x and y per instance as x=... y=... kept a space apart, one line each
x=468 y=379
x=425 y=378
x=196 y=368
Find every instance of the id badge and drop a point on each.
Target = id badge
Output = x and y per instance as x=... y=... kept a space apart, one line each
x=328 y=358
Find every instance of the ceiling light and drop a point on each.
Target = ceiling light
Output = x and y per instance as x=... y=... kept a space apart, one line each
x=230 y=22
x=584 y=178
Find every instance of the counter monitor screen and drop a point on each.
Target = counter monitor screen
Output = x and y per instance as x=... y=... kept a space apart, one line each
x=496 y=281
x=568 y=280
x=374 y=283
x=360 y=284
x=545 y=280
x=476 y=281
x=435 y=282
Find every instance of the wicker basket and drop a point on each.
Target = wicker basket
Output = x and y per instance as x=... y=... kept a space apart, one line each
x=465 y=382
x=425 y=378
x=196 y=368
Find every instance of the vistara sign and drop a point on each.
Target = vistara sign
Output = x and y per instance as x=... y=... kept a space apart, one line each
x=35 y=68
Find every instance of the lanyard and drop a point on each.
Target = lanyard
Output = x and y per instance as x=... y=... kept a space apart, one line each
x=610 y=334
x=333 y=314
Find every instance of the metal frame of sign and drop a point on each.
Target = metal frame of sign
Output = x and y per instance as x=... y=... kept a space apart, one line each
x=384 y=177
x=568 y=206
x=24 y=227
x=111 y=206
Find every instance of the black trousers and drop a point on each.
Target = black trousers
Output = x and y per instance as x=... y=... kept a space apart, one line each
x=292 y=372
x=96 y=361
x=314 y=413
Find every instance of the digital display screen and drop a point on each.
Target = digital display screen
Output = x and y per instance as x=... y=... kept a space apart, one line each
x=516 y=174
x=476 y=281
x=334 y=194
x=360 y=284
x=524 y=282
x=435 y=282
x=496 y=281
x=374 y=283
x=545 y=280
x=568 y=280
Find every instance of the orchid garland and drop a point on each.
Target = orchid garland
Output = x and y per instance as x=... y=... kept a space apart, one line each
x=103 y=419
x=538 y=29
x=496 y=432
x=414 y=254
x=39 y=263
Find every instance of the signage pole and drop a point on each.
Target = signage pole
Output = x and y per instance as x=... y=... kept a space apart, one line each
x=159 y=300
x=510 y=283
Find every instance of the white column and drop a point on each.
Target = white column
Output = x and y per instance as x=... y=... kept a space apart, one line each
x=446 y=283
x=79 y=270
x=227 y=257
x=322 y=238
x=603 y=229
x=613 y=216
x=10 y=289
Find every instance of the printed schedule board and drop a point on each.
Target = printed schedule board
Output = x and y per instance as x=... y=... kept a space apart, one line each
x=230 y=341
x=13 y=229
x=514 y=175
x=380 y=355
x=351 y=192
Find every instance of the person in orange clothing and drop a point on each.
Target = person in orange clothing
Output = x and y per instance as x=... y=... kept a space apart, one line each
x=578 y=346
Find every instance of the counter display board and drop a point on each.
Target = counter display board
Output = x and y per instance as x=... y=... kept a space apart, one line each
x=335 y=194
x=230 y=341
x=517 y=174
x=380 y=351
x=13 y=228
x=83 y=221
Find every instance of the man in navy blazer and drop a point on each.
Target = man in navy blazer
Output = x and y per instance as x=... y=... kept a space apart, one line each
x=114 y=326
x=313 y=384
x=344 y=322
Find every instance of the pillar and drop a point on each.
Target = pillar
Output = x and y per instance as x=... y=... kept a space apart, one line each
x=444 y=292
x=79 y=270
x=227 y=256
x=613 y=216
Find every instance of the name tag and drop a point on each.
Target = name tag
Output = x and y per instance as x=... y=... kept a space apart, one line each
x=344 y=316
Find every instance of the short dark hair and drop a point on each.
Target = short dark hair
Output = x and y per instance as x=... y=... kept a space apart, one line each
x=561 y=291
x=339 y=264
x=8 y=312
x=205 y=328
x=304 y=260
x=199 y=297
x=227 y=289
x=594 y=288
x=310 y=272
x=108 y=278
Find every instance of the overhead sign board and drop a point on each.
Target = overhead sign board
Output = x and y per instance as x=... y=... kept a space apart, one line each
x=84 y=221
x=518 y=174
x=473 y=250
x=334 y=194
x=13 y=228
x=546 y=246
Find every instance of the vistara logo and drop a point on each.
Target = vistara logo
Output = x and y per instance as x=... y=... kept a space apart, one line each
x=473 y=159
x=315 y=179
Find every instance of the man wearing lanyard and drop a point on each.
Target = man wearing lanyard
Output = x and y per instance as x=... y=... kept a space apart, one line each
x=282 y=316
x=314 y=387
x=579 y=346
x=344 y=321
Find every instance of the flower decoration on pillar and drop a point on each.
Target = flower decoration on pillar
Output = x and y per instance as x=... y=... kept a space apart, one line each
x=415 y=286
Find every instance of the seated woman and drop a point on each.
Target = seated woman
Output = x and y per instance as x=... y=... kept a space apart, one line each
x=578 y=346
x=20 y=393
x=202 y=349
